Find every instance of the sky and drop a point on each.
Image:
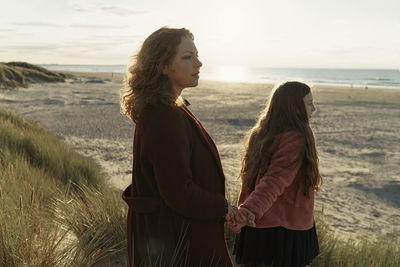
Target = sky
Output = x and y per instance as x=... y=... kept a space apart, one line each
x=251 y=33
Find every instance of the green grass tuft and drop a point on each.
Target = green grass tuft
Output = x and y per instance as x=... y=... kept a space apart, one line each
x=43 y=181
x=44 y=151
x=349 y=253
x=18 y=74
x=97 y=217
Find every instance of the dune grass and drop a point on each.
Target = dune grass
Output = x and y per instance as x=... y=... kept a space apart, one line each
x=44 y=151
x=336 y=252
x=97 y=217
x=55 y=209
x=18 y=74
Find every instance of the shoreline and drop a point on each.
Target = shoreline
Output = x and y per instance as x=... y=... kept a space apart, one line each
x=334 y=85
x=210 y=76
x=355 y=130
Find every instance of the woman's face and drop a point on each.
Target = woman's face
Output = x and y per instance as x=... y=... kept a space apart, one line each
x=309 y=104
x=184 y=68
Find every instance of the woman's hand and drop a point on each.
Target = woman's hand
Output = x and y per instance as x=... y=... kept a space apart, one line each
x=230 y=216
x=234 y=219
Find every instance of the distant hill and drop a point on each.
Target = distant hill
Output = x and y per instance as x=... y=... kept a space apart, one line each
x=17 y=74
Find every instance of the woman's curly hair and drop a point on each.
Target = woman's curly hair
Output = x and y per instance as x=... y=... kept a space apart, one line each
x=145 y=83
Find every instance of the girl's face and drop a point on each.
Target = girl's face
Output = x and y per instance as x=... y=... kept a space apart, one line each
x=184 y=68
x=309 y=104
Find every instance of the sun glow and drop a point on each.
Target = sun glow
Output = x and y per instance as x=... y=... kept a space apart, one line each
x=230 y=73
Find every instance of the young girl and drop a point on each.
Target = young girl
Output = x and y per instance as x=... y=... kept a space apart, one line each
x=279 y=176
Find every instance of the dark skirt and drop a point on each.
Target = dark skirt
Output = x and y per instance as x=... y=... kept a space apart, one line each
x=276 y=246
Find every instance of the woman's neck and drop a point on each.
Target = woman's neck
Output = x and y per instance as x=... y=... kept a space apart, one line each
x=177 y=92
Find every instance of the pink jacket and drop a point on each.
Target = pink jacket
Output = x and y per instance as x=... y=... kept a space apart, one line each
x=278 y=198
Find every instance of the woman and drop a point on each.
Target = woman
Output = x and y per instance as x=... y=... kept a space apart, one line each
x=176 y=201
x=279 y=175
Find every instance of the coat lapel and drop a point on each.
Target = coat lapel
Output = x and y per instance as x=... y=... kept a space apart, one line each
x=206 y=138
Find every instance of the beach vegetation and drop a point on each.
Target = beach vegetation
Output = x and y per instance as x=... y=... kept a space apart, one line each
x=55 y=208
x=20 y=74
x=367 y=251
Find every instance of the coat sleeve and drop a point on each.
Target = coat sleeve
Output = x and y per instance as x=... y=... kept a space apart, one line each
x=166 y=139
x=283 y=168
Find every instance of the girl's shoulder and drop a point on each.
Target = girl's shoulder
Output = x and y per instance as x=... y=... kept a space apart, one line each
x=287 y=141
x=289 y=136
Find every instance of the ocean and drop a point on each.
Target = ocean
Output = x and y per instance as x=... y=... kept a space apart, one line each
x=374 y=78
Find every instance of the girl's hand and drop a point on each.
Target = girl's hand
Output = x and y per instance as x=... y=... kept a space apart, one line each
x=248 y=216
x=235 y=227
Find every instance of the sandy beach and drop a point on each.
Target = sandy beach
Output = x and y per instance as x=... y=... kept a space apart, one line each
x=357 y=130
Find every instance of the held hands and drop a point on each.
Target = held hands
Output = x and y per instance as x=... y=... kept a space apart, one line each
x=237 y=218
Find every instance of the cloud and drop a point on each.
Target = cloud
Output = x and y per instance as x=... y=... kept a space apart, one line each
x=32 y=47
x=113 y=10
x=81 y=9
x=37 y=24
x=76 y=25
x=88 y=44
x=116 y=38
x=366 y=49
x=340 y=22
x=121 y=11
x=95 y=26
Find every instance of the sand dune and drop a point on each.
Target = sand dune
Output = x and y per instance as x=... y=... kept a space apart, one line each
x=357 y=132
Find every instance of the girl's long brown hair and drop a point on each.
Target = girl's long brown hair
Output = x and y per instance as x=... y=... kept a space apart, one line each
x=146 y=83
x=284 y=112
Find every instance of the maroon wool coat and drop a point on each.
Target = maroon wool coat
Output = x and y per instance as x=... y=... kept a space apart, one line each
x=177 y=196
